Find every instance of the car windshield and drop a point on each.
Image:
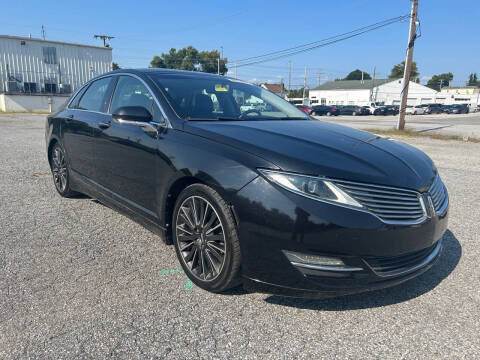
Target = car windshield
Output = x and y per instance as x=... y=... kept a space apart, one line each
x=203 y=98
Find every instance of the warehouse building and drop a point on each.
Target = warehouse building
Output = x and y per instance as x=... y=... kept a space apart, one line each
x=40 y=75
x=363 y=92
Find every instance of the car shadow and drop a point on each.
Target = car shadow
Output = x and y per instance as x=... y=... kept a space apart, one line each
x=449 y=258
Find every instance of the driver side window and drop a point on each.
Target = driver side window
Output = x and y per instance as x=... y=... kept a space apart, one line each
x=131 y=92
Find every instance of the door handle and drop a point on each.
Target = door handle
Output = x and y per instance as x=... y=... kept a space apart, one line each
x=104 y=125
x=69 y=118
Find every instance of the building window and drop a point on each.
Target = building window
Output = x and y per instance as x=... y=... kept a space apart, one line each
x=49 y=54
x=324 y=101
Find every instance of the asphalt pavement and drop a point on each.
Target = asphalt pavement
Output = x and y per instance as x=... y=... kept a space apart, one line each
x=465 y=125
x=79 y=280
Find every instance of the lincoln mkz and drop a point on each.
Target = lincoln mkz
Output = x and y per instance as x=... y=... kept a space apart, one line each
x=249 y=189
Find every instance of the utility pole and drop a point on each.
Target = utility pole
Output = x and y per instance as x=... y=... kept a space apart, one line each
x=289 y=75
x=362 y=76
x=304 y=84
x=218 y=66
x=43 y=32
x=104 y=38
x=412 y=34
x=236 y=70
x=319 y=75
x=373 y=83
x=221 y=47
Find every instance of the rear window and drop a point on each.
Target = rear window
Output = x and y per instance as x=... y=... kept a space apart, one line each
x=95 y=98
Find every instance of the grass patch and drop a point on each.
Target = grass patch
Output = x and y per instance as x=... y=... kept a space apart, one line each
x=413 y=133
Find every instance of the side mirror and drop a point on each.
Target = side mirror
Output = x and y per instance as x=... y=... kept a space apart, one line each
x=136 y=114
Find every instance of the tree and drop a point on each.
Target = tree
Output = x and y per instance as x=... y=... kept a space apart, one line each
x=438 y=81
x=398 y=70
x=115 y=66
x=357 y=75
x=191 y=59
x=473 y=80
x=297 y=93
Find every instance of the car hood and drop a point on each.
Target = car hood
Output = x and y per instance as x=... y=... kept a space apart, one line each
x=319 y=148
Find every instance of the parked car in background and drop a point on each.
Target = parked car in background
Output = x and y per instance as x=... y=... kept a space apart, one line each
x=321 y=110
x=351 y=110
x=459 y=109
x=433 y=108
x=379 y=110
x=305 y=109
x=391 y=110
x=415 y=110
x=386 y=110
x=374 y=105
x=365 y=110
x=446 y=108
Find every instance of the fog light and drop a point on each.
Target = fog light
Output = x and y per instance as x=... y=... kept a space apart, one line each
x=318 y=262
x=313 y=259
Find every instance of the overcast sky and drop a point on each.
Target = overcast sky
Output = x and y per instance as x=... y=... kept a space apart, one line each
x=449 y=42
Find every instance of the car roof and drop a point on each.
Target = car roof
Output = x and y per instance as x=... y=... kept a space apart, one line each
x=161 y=71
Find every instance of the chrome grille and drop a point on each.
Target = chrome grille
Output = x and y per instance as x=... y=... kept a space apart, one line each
x=438 y=192
x=392 y=205
x=395 y=265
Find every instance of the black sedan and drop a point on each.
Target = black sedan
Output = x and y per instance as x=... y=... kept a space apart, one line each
x=351 y=110
x=459 y=109
x=263 y=196
x=320 y=110
x=386 y=110
x=433 y=109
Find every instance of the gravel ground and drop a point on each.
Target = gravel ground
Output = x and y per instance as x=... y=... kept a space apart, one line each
x=80 y=280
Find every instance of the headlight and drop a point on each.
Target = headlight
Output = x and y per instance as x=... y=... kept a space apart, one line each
x=310 y=186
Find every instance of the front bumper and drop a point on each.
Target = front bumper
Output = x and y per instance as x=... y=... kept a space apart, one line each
x=272 y=220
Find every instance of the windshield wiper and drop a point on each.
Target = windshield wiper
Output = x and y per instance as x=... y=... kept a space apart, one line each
x=200 y=119
x=228 y=118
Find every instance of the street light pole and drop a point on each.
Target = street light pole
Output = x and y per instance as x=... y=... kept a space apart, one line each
x=408 y=65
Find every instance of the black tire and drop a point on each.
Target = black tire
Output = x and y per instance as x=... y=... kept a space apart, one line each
x=191 y=234
x=61 y=171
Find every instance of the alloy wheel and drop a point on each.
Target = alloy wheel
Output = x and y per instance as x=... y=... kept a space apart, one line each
x=59 y=169
x=200 y=238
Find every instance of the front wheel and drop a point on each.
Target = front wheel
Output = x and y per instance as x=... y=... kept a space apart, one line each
x=328 y=113
x=205 y=238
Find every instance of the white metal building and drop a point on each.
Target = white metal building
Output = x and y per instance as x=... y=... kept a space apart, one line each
x=358 y=92
x=32 y=70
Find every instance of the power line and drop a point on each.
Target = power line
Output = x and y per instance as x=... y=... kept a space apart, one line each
x=320 y=43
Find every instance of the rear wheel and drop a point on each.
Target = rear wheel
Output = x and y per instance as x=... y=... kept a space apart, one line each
x=60 y=171
x=206 y=239
x=328 y=113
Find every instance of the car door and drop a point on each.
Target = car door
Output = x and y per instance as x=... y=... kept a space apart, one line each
x=126 y=154
x=80 y=118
